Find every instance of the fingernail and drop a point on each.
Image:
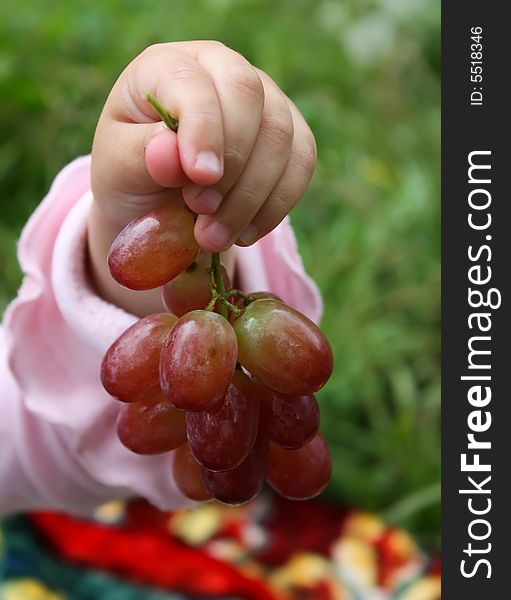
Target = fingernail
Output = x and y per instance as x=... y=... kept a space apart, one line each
x=218 y=233
x=208 y=161
x=210 y=199
x=248 y=235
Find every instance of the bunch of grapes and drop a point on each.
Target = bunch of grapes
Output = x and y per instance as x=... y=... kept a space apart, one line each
x=225 y=379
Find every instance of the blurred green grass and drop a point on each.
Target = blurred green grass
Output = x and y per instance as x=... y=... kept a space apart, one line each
x=365 y=73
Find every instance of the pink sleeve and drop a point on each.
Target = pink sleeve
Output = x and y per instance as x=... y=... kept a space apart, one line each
x=58 y=448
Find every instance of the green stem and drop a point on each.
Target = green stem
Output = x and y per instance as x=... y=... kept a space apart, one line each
x=219 y=282
x=170 y=121
x=231 y=307
x=217 y=272
x=213 y=301
x=234 y=292
x=213 y=291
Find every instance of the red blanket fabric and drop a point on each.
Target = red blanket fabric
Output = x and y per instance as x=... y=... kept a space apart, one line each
x=269 y=549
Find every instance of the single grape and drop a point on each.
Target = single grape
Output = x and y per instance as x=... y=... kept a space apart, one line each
x=245 y=481
x=152 y=426
x=130 y=367
x=198 y=361
x=154 y=248
x=300 y=474
x=283 y=348
x=221 y=441
x=288 y=421
x=190 y=290
x=187 y=475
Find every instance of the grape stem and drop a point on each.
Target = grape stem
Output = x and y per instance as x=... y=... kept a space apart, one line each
x=246 y=297
x=219 y=282
x=170 y=121
x=218 y=292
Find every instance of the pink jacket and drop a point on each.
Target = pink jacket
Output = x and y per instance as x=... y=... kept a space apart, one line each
x=58 y=446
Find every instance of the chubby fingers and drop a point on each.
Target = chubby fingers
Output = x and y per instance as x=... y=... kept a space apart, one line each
x=138 y=155
x=293 y=182
x=243 y=154
x=185 y=88
x=242 y=97
x=275 y=177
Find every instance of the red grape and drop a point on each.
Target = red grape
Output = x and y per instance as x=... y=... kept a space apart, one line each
x=300 y=474
x=154 y=248
x=288 y=421
x=130 y=367
x=190 y=290
x=283 y=348
x=152 y=426
x=221 y=441
x=245 y=481
x=188 y=476
x=198 y=361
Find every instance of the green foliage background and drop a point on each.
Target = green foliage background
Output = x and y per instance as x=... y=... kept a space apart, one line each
x=365 y=73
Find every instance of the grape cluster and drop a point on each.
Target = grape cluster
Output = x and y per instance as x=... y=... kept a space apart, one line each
x=224 y=379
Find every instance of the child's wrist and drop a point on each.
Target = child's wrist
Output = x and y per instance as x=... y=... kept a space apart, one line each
x=102 y=230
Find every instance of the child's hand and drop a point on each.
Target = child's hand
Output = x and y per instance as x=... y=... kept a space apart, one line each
x=243 y=154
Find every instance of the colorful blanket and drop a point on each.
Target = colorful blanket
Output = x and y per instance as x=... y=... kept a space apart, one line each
x=268 y=549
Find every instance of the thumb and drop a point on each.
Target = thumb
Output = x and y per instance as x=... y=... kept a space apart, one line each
x=162 y=160
x=134 y=163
